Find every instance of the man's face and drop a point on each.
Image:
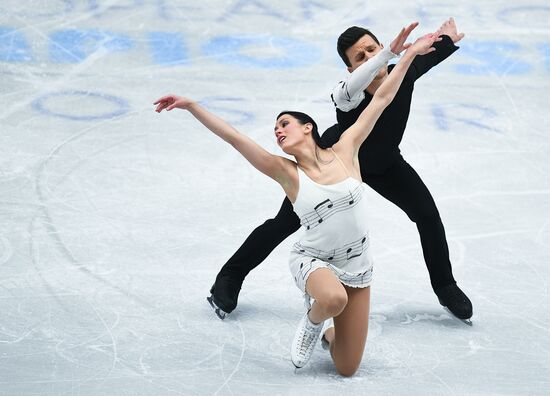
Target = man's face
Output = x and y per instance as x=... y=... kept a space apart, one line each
x=360 y=52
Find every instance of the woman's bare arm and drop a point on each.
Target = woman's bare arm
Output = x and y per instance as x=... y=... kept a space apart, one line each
x=272 y=165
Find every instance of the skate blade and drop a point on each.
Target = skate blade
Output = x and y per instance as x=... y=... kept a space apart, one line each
x=220 y=313
x=465 y=321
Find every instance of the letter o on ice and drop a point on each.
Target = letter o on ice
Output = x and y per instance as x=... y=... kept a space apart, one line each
x=284 y=52
x=83 y=100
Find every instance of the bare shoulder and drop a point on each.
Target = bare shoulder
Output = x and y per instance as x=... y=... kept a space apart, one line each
x=344 y=148
x=290 y=169
x=348 y=153
x=289 y=178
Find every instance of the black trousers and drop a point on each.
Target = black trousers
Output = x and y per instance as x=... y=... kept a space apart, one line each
x=399 y=184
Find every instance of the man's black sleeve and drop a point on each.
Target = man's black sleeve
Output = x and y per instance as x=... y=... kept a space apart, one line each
x=421 y=64
x=331 y=136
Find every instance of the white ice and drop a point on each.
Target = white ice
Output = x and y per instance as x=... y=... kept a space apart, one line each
x=114 y=220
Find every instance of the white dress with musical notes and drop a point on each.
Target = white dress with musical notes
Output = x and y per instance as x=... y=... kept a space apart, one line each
x=336 y=235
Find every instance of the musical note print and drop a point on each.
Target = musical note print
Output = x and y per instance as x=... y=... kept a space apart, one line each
x=340 y=243
x=352 y=200
x=340 y=255
x=326 y=201
x=317 y=214
x=319 y=208
x=356 y=250
x=305 y=267
x=353 y=279
x=328 y=208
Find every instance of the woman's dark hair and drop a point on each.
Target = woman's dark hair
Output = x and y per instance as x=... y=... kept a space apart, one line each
x=303 y=119
x=349 y=38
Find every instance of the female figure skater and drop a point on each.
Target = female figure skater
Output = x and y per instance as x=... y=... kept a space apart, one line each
x=331 y=262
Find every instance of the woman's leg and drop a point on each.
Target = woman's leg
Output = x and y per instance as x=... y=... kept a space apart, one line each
x=330 y=299
x=329 y=294
x=348 y=337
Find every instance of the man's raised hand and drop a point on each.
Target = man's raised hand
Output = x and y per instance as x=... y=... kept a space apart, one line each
x=398 y=44
x=449 y=28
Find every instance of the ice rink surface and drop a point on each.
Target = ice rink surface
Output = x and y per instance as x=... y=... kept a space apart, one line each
x=114 y=220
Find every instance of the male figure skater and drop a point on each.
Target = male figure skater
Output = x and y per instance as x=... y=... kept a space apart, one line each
x=383 y=167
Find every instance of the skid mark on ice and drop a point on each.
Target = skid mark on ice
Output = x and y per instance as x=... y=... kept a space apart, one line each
x=443 y=382
x=34 y=252
x=101 y=375
x=50 y=226
x=391 y=250
x=19 y=338
x=516 y=314
x=237 y=366
x=542 y=279
x=61 y=22
x=485 y=194
x=6 y=250
x=420 y=317
x=493 y=234
x=110 y=334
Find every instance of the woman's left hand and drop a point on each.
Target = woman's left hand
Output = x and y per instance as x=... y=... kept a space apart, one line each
x=170 y=102
x=423 y=45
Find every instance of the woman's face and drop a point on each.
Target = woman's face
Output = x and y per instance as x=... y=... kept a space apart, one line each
x=289 y=132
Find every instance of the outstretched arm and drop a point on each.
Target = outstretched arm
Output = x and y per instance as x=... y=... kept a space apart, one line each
x=356 y=134
x=272 y=165
x=443 y=49
x=349 y=92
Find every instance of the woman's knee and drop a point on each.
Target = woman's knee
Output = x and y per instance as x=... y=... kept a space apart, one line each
x=347 y=362
x=348 y=369
x=333 y=302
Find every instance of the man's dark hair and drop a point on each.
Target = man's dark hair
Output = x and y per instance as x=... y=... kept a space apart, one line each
x=303 y=119
x=349 y=38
